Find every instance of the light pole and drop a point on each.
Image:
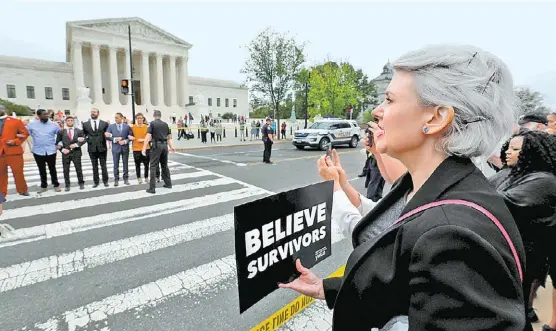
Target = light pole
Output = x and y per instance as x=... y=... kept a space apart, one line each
x=131 y=75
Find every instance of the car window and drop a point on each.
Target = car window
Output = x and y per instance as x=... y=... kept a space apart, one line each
x=321 y=125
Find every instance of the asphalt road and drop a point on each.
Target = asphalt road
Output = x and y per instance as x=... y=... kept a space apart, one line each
x=120 y=259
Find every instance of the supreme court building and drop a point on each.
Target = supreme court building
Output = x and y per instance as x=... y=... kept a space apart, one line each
x=97 y=59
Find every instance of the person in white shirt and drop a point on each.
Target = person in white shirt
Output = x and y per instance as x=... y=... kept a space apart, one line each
x=349 y=206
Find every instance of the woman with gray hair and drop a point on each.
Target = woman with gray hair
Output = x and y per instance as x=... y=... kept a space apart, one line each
x=450 y=256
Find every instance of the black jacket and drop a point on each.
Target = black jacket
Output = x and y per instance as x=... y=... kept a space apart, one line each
x=447 y=268
x=531 y=199
x=63 y=137
x=96 y=141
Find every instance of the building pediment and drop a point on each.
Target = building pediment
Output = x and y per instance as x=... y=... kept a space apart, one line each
x=139 y=27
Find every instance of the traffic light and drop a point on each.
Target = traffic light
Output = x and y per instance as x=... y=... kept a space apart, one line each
x=125 y=86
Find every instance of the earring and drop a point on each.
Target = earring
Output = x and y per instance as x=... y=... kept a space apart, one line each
x=425 y=129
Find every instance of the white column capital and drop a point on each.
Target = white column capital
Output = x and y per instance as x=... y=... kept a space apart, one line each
x=95 y=47
x=160 y=55
x=172 y=58
x=113 y=48
x=76 y=44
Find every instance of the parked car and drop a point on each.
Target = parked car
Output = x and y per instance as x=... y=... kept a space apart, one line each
x=328 y=131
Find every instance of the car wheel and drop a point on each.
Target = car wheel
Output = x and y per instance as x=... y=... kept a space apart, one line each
x=323 y=144
x=354 y=142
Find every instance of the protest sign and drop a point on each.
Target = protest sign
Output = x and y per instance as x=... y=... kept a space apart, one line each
x=273 y=232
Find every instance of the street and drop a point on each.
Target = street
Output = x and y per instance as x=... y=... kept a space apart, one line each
x=118 y=258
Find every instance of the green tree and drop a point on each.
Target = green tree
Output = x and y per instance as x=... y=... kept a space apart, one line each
x=227 y=116
x=334 y=87
x=271 y=68
x=18 y=109
x=529 y=101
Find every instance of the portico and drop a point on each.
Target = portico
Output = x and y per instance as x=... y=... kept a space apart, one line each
x=97 y=59
x=99 y=53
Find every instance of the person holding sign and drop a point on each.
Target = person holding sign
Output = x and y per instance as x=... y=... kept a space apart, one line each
x=350 y=206
x=451 y=257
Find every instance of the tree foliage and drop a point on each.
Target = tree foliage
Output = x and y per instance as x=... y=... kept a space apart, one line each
x=335 y=86
x=18 y=109
x=530 y=101
x=273 y=63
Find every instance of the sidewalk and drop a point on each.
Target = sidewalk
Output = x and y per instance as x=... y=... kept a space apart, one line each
x=183 y=145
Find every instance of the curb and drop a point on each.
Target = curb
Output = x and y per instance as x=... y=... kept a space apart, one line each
x=227 y=146
x=29 y=158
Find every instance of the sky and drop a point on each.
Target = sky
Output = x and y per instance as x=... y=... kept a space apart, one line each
x=365 y=33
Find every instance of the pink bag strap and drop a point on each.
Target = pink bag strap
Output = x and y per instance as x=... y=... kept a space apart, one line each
x=478 y=208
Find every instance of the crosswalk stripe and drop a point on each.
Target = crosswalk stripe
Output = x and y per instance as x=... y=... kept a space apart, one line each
x=89 y=188
x=57 y=207
x=190 y=282
x=41 y=232
x=56 y=266
x=86 y=173
x=32 y=170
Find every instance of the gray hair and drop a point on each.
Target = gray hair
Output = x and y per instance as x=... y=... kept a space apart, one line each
x=477 y=84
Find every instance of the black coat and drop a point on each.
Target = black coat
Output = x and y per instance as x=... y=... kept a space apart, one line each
x=447 y=268
x=96 y=141
x=63 y=137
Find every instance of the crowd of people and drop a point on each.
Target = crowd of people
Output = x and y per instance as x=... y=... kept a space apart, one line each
x=446 y=248
x=149 y=144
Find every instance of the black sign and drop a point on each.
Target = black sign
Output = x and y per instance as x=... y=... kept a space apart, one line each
x=272 y=233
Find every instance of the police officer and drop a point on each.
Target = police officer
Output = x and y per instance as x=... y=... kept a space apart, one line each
x=268 y=140
x=161 y=137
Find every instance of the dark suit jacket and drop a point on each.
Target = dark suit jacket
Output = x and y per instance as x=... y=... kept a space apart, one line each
x=446 y=268
x=126 y=131
x=96 y=141
x=63 y=138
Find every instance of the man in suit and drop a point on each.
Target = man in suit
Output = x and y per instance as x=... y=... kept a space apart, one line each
x=11 y=152
x=69 y=142
x=118 y=134
x=95 y=130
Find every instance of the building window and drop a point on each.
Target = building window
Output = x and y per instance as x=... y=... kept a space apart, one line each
x=30 y=92
x=227 y=102
x=235 y=103
x=217 y=102
x=190 y=100
x=67 y=112
x=11 y=91
x=48 y=93
x=65 y=93
x=210 y=101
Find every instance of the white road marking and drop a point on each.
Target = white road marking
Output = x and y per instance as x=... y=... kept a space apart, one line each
x=87 y=175
x=89 y=188
x=213 y=159
x=193 y=281
x=41 y=232
x=316 y=317
x=56 y=266
x=56 y=207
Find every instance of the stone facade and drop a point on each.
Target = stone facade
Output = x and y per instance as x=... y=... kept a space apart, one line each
x=383 y=80
x=97 y=59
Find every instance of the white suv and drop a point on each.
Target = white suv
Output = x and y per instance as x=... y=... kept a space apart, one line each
x=328 y=131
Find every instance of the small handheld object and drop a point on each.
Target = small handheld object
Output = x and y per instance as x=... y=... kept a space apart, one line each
x=329 y=153
x=370 y=137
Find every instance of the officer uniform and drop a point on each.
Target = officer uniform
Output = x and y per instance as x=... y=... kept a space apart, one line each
x=266 y=131
x=159 y=131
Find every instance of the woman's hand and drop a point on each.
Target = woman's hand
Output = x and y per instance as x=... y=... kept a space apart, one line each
x=374 y=129
x=308 y=283
x=326 y=170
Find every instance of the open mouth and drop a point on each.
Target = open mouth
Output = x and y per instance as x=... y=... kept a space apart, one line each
x=380 y=133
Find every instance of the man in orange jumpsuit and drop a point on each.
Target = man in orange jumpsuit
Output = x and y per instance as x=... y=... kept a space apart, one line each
x=12 y=134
